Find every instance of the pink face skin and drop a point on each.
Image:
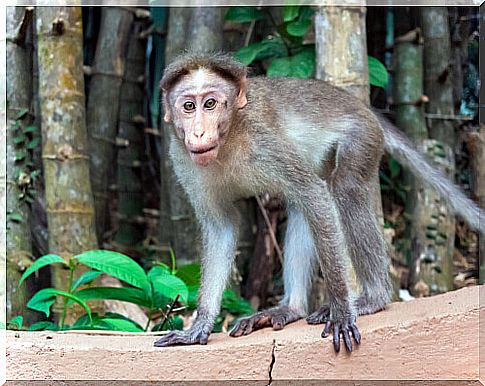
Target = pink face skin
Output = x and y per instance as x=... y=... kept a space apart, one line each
x=200 y=107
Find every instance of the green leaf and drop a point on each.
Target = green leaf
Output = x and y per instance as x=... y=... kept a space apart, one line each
x=124 y=294
x=20 y=155
x=22 y=112
x=34 y=143
x=378 y=75
x=290 y=12
x=85 y=278
x=15 y=323
x=190 y=274
x=45 y=298
x=235 y=304
x=394 y=167
x=40 y=263
x=166 y=285
x=243 y=14
x=44 y=325
x=117 y=265
x=30 y=129
x=19 y=139
x=266 y=48
x=15 y=217
x=298 y=27
x=301 y=65
x=117 y=325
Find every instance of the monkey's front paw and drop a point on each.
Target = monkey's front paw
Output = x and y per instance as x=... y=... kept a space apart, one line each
x=319 y=316
x=343 y=327
x=197 y=334
x=275 y=317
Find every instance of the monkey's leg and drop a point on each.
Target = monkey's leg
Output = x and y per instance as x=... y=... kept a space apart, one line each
x=299 y=251
x=219 y=236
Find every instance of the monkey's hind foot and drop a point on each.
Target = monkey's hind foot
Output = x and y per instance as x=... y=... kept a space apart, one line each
x=344 y=328
x=277 y=318
x=197 y=334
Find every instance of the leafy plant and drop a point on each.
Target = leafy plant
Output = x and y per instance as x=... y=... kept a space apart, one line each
x=153 y=290
x=285 y=50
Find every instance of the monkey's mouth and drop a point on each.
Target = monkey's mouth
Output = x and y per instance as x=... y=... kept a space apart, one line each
x=203 y=156
x=203 y=150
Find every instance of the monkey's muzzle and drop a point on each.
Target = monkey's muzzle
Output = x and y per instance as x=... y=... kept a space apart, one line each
x=203 y=155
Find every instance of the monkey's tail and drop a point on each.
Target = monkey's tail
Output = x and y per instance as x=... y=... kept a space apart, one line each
x=405 y=152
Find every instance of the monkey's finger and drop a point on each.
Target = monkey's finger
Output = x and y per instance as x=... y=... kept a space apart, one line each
x=355 y=333
x=326 y=330
x=204 y=338
x=347 y=341
x=278 y=322
x=336 y=338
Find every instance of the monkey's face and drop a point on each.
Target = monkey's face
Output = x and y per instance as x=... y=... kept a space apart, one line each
x=201 y=106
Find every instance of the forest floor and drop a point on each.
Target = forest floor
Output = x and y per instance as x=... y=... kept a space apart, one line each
x=433 y=338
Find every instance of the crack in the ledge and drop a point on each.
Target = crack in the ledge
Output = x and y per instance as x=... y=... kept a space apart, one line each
x=273 y=360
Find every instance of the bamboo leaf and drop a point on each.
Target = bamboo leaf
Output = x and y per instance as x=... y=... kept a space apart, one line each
x=22 y=113
x=117 y=265
x=40 y=263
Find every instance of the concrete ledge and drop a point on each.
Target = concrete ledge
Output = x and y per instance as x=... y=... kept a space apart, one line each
x=425 y=339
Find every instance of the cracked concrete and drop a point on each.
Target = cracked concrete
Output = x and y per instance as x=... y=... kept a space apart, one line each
x=431 y=338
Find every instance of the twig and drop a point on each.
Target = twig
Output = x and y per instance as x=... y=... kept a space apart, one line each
x=169 y=311
x=270 y=229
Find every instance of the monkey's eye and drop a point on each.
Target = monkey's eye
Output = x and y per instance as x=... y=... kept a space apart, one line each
x=189 y=106
x=210 y=103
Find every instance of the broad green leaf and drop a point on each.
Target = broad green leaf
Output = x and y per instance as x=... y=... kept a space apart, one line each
x=124 y=294
x=30 y=129
x=117 y=325
x=22 y=112
x=269 y=47
x=117 y=265
x=44 y=325
x=15 y=323
x=190 y=274
x=15 y=217
x=20 y=155
x=40 y=263
x=193 y=297
x=290 y=12
x=19 y=139
x=306 y=13
x=301 y=65
x=235 y=304
x=167 y=285
x=45 y=298
x=85 y=278
x=378 y=75
x=298 y=27
x=34 y=143
x=243 y=14
x=394 y=167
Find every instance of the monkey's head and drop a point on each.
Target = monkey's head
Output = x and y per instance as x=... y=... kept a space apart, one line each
x=201 y=95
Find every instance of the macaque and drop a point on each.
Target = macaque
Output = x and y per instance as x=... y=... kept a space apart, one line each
x=311 y=144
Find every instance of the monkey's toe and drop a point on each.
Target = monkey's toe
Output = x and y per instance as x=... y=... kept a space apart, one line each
x=344 y=329
x=197 y=334
x=319 y=316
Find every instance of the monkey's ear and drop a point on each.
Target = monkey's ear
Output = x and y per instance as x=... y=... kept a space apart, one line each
x=168 y=115
x=241 y=99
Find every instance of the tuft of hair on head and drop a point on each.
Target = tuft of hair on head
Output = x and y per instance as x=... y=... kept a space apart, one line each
x=222 y=64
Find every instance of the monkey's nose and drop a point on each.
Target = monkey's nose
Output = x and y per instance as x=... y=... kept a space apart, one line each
x=199 y=134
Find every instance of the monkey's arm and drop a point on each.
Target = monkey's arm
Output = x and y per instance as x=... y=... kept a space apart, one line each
x=219 y=238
